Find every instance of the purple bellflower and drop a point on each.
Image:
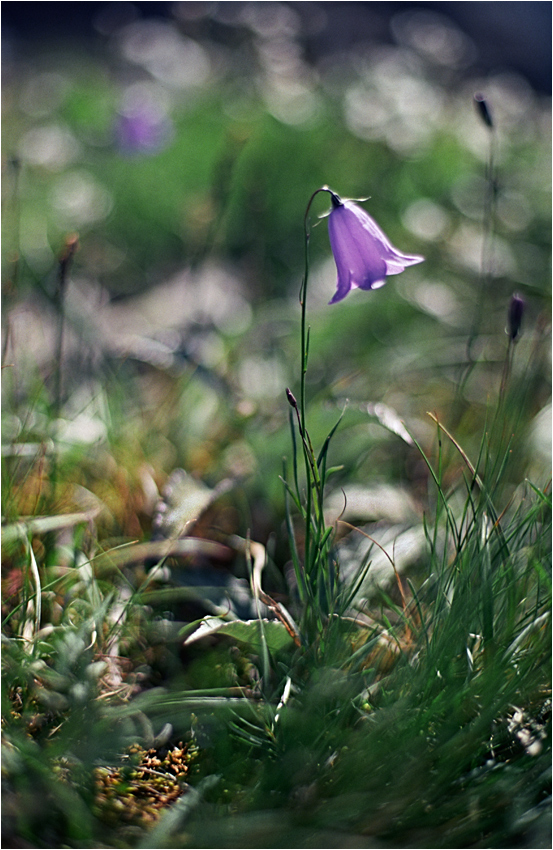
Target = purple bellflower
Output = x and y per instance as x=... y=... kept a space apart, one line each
x=363 y=254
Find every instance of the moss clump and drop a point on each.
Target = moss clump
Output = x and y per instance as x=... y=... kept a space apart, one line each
x=146 y=783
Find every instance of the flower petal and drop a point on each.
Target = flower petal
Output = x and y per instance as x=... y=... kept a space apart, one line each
x=363 y=253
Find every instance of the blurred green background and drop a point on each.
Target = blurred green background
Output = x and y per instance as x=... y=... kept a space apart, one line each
x=182 y=141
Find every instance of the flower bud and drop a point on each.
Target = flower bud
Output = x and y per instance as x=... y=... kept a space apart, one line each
x=516 y=310
x=483 y=109
x=291 y=399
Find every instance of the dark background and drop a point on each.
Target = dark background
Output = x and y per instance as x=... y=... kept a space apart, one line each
x=511 y=35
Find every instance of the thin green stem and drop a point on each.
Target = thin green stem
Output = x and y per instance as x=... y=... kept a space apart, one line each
x=318 y=577
x=303 y=302
x=70 y=247
x=486 y=262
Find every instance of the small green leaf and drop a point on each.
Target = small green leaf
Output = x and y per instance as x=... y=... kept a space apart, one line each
x=245 y=631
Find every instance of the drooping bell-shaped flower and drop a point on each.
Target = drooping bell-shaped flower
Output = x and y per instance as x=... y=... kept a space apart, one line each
x=363 y=254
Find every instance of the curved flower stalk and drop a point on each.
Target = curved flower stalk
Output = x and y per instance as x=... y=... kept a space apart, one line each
x=363 y=254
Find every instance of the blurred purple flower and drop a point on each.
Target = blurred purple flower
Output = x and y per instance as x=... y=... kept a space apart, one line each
x=142 y=133
x=143 y=125
x=363 y=253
